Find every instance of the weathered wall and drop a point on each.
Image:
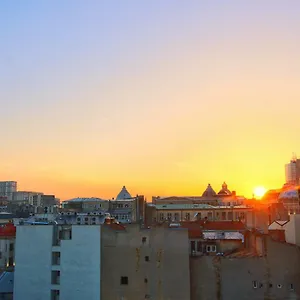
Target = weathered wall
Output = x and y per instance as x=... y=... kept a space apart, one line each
x=164 y=277
x=277 y=275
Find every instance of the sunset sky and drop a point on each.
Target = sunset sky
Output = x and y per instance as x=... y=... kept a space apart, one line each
x=161 y=96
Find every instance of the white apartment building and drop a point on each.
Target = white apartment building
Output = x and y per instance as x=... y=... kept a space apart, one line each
x=57 y=262
x=292 y=172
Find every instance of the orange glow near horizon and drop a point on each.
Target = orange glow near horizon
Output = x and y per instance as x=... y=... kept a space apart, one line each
x=259 y=192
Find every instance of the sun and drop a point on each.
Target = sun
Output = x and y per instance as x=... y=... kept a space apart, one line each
x=259 y=191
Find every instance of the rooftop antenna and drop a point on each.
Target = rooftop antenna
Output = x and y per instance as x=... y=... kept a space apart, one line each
x=294 y=157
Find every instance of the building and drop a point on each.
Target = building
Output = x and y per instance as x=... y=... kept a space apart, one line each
x=85 y=205
x=292 y=172
x=209 y=196
x=128 y=209
x=107 y=261
x=290 y=198
x=213 y=238
x=27 y=198
x=271 y=271
x=190 y=212
x=145 y=263
x=289 y=228
x=6 y=285
x=7 y=188
x=7 y=246
x=58 y=262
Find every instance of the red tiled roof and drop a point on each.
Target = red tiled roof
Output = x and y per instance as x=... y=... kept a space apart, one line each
x=223 y=225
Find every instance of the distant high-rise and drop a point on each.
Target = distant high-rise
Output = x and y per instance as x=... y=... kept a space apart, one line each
x=7 y=188
x=292 y=171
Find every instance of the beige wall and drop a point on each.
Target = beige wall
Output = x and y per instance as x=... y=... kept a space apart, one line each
x=166 y=272
x=214 y=214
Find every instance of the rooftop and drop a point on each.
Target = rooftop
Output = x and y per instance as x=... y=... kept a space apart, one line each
x=123 y=194
x=92 y=199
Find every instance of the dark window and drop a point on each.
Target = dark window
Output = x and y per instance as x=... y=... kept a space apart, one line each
x=55 y=258
x=124 y=280
x=55 y=295
x=55 y=277
x=146 y=280
x=144 y=239
x=193 y=245
x=291 y=287
x=146 y=258
x=270 y=285
x=199 y=246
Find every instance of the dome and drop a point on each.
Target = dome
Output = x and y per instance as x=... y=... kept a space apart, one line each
x=224 y=190
x=123 y=194
x=209 y=192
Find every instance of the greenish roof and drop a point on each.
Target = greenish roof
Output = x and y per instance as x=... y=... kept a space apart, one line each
x=184 y=206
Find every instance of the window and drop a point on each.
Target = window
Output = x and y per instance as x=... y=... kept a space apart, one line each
x=55 y=258
x=161 y=216
x=55 y=277
x=223 y=215
x=279 y=286
x=230 y=215
x=193 y=245
x=176 y=216
x=199 y=246
x=211 y=248
x=187 y=216
x=169 y=216
x=291 y=287
x=65 y=233
x=54 y=294
x=144 y=239
x=147 y=258
x=145 y=280
x=254 y=284
x=124 y=280
x=209 y=216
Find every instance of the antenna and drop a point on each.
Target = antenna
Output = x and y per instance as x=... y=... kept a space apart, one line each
x=294 y=157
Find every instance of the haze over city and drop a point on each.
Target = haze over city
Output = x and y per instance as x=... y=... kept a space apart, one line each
x=161 y=97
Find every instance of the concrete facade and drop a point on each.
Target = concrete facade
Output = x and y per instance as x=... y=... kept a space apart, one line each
x=274 y=276
x=145 y=264
x=57 y=262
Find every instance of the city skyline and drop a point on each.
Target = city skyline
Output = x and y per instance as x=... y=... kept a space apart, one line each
x=161 y=97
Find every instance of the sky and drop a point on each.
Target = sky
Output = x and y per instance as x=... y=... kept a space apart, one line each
x=161 y=96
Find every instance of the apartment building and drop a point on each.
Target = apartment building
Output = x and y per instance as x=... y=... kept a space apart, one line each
x=58 y=262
